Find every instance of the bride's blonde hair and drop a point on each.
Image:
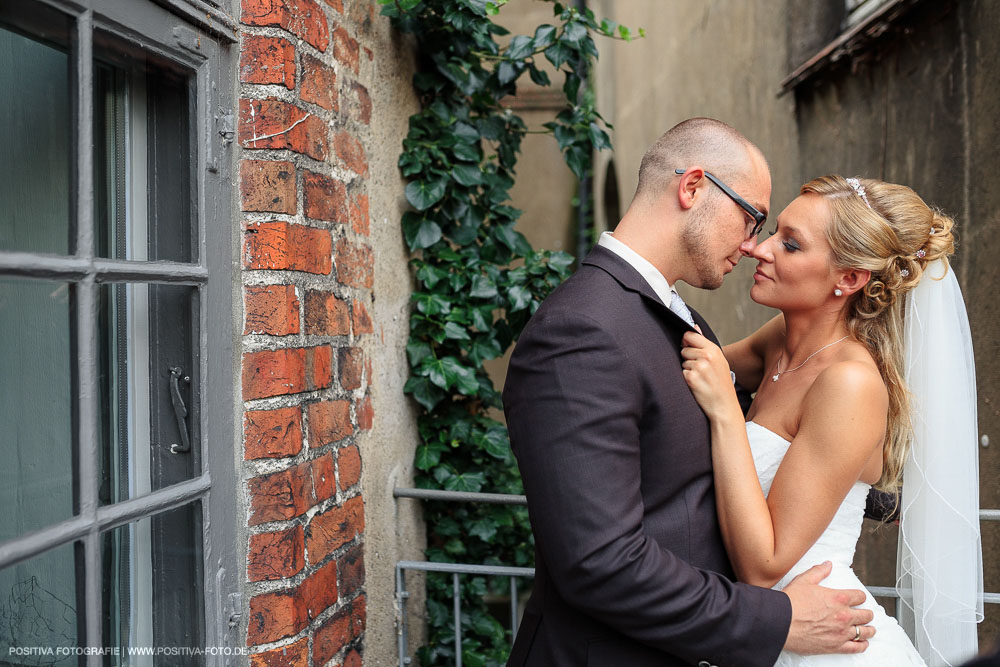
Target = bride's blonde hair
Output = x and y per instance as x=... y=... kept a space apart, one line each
x=889 y=230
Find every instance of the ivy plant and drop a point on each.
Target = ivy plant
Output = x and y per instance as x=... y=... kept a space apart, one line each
x=477 y=279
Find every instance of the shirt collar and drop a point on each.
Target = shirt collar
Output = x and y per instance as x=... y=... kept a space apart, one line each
x=649 y=273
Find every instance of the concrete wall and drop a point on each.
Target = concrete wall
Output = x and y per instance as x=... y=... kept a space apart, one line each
x=922 y=111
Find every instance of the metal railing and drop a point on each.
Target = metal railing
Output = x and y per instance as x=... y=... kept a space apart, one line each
x=456 y=569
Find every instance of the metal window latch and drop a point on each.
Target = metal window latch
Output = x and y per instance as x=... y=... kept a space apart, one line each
x=180 y=411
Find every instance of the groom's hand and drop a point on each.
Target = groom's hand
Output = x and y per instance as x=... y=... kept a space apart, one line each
x=823 y=620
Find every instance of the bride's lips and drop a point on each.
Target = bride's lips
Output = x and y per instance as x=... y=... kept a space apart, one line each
x=759 y=275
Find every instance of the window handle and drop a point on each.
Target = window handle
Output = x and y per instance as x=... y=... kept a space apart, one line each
x=180 y=411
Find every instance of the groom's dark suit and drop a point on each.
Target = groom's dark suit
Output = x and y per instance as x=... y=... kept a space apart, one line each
x=614 y=452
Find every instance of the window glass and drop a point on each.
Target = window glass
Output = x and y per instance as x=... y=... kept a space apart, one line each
x=35 y=137
x=143 y=155
x=148 y=381
x=151 y=574
x=39 y=609
x=36 y=410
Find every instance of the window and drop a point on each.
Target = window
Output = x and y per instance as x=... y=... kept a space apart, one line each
x=116 y=374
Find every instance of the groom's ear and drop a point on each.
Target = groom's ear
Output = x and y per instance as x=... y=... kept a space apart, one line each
x=853 y=280
x=691 y=181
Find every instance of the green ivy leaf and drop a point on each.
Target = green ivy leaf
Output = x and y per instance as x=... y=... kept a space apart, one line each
x=483 y=287
x=467 y=174
x=426 y=458
x=416 y=351
x=545 y=35
x=521 y=46
x=470 y=482
x=520 y=298
x=423 y=392
x=574 y=32
x=420 y=232
x=431 y=304
x=455 y=331
x=484 y=529
x=423 y=194
x=558 y=53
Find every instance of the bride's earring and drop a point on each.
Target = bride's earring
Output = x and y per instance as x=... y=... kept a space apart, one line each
x=837 y=292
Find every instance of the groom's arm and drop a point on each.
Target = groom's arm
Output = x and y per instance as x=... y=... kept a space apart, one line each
x=573 y=408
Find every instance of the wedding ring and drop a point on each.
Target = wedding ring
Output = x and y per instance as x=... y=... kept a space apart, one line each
x=857 y=634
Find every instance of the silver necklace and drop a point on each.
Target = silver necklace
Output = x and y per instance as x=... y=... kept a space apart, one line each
x=774 y=378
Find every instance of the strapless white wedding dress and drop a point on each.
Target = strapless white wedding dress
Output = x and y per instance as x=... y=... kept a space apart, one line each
x=890 y=647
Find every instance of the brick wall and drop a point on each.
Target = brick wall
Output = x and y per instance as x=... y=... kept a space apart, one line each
x=307 y=278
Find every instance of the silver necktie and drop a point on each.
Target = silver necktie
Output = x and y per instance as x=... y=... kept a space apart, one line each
x=680 y=308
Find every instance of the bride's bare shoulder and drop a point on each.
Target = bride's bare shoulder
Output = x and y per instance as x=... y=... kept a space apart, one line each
x=849 y=393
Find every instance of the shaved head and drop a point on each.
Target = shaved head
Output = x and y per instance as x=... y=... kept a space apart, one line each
x=709 y=143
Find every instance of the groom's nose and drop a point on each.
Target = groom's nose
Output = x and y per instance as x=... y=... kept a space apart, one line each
x=748 y=246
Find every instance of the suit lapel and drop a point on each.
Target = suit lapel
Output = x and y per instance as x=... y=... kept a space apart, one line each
x=631 y=280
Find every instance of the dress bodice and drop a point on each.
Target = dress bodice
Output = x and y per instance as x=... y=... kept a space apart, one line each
x=838 y=541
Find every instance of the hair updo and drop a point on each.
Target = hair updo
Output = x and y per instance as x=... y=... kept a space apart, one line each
x=886 y=229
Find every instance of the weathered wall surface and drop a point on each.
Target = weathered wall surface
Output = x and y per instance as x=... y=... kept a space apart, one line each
x=719 y=59
x=324 y=99
x=921 y=111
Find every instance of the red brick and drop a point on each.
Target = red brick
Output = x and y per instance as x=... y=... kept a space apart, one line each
x=323 y=198
x=336 y=4
x=368 y=371
x=359 y=215
x=352 y=571
x=349 y=466
x=334 y=528
x=325 y=314
x=279 y=125
x=351 y=152
x=292 y=655
x=359 y=103
x=345 y=48
x=355 y=264
x=267 y=60
x=267 y=186
x=269 y=434
x=329 y=421
x=319 y=83
x=319 y=590
x=276 y=555
x=302 y=18
x=351 y=363
x=324 y=482
x=271 y=309
x=361 y=321
x=281 y=495
x=287 y=246
x=273 y=616
x=286 y=371
x=339 y=630
x=353 y=659
x=362 y=14
x=365 y=413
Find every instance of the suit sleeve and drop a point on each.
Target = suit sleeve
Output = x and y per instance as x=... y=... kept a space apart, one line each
x=574 y=409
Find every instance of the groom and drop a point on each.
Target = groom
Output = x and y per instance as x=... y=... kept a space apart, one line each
x=614 y=450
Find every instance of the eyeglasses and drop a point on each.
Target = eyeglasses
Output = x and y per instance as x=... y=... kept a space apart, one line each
x=758 y=217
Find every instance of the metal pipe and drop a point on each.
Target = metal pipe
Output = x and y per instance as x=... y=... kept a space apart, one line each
x=460 y=496
x=513 y=609
x=458 y=620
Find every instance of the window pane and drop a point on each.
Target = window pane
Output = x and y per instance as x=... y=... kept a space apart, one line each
x=152 y=574
x=143 y=154
x=148 y=381
x=36 y=415
x=35 y=136
x=38 y=609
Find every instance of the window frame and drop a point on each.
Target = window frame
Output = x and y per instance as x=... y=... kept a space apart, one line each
x=212 y=60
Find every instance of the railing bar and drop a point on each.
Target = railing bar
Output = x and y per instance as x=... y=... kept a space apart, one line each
x=513 y=609
x=463 y=568
x=460 y=496
x=401 y=601
x=458 y=621
x=889 y=592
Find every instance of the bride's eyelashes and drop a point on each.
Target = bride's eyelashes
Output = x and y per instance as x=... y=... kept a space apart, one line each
x=791 y=245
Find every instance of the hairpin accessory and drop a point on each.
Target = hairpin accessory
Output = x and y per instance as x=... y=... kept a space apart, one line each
x=932 y=231
x=921 y=253
x=904 y=272
x=859 y=189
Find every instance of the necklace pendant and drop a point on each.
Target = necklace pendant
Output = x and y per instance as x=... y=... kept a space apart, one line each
x=774 y=378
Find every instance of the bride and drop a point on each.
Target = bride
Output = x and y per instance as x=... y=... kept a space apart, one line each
x=832 y=413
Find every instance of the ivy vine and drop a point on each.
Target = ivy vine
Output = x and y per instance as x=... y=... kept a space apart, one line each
x=478 y=280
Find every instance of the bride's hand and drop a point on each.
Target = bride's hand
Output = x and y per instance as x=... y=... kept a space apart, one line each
x=707 y=373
